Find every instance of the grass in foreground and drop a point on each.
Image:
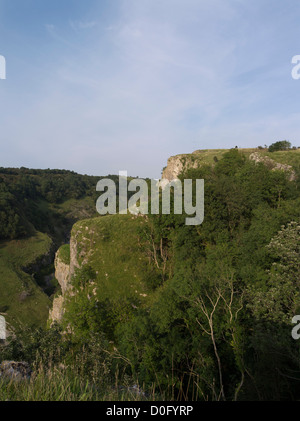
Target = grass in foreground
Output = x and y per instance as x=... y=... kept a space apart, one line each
x=63 y=385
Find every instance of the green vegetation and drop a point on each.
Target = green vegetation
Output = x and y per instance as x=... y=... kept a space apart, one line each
x=64 y=253
x=68 y=386
x=212 y=156
x=187 y=312
x=202 y=157
x=21 y=299
x=112 y=247
x=49 y=201
x=291 y=157
x=201 y=331
x=37 y=211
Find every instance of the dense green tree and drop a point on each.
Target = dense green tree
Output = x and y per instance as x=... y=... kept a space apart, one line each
x=282 y=145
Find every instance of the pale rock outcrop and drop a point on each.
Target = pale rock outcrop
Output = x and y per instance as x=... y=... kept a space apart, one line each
x=273 y=165
x=62 y=273
x=173 y=168
x=57 y=311
x=176 y=164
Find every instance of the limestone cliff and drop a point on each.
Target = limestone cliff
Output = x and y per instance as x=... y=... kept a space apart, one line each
x=65 y=263
x=62 y=274
x=56 y=313
x=110 y=246
x=181 y=163
x=176 y=164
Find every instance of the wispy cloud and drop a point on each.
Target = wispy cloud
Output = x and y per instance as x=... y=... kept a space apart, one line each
x=82 y=25
x=153 y=79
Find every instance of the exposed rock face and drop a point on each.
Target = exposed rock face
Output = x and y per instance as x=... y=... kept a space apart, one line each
x=176 y=164
x=55 y=315
x=173 y=168
x=15 y=370
x=62 y=273
x=273 y=165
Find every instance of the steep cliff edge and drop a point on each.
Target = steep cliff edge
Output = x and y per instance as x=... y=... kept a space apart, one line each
x=183 y=162
x=174 y=167
x=62 y=264
x=111 y=247
x=65 y=263
x=62 y=269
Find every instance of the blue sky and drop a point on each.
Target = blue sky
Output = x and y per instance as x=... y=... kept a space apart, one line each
x=106 y=85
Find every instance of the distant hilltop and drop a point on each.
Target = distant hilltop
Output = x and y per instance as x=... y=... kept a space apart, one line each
x=286 y=160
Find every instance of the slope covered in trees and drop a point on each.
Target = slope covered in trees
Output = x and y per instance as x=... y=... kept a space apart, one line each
x=206 y=311
x=37 y=211
x=41 y=199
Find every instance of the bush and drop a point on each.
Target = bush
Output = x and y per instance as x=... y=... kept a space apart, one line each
x=283 y=145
